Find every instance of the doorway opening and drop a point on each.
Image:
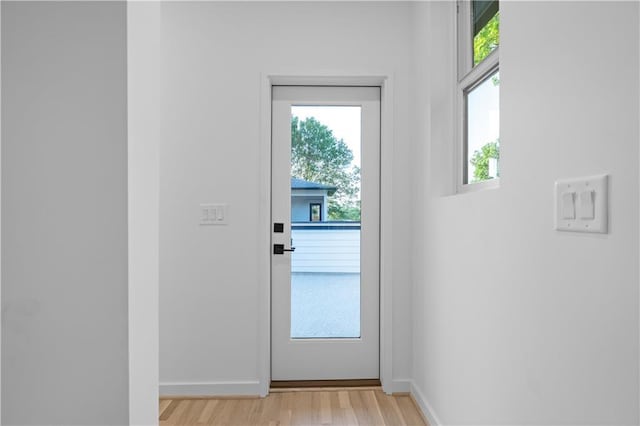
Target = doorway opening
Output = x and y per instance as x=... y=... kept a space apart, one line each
x=325 y=189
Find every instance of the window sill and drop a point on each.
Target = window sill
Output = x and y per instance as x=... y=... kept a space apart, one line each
x=479 y=186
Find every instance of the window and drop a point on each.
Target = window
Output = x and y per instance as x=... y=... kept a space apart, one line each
x=315 y=214
x=478 y=92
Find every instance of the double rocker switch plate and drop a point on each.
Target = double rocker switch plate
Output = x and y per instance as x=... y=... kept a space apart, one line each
x=581 y=204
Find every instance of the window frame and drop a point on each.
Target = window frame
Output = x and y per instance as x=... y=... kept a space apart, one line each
x=468 y=78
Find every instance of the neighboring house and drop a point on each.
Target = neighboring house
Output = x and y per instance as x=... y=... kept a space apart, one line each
x=317 y=243
x=309 y=200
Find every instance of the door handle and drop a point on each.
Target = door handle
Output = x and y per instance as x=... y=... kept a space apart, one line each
x=279 y=249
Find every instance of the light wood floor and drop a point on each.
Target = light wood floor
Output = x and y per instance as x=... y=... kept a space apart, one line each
x=316 y=407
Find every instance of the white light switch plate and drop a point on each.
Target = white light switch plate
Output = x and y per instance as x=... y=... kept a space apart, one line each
x=590 y=213
x=213 y=214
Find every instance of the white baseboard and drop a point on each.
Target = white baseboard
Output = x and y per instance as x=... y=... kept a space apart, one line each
x=237 y=388
x=424 y=406
x=401 y=386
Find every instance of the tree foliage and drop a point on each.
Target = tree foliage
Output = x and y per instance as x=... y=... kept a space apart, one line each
x=487 y=39
x=480 y=160
x=318 y=156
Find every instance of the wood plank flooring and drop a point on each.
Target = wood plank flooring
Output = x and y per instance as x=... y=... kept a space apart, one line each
x=366 y=406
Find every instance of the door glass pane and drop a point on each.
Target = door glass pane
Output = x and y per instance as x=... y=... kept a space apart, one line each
x=325 y=216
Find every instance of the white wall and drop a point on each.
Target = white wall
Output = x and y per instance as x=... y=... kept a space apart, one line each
x=143 y=84
x=0 y=214
x=64 y=213
x=515 y=323
x=214 y=55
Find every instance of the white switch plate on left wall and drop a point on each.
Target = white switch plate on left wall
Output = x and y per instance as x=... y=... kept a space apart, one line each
x=213 y=214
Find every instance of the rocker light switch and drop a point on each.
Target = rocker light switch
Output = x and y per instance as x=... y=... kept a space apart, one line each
x=586 y=205
x=568 y=205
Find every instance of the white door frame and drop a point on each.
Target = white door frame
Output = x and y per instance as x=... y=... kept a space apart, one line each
x=385 y=81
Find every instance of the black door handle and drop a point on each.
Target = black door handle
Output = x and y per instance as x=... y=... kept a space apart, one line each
x=279 y=249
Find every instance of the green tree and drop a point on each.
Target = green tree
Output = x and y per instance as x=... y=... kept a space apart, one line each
x=480 y=160
x=487 y=39
x=318 y=156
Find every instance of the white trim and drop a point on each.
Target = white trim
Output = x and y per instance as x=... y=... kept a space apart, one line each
x=385 y=81
x=235 y=388
x=479 y=186
x=264 y=243
x=387 y=105
x=458 y=62
x=424 y=406
x=326 y=80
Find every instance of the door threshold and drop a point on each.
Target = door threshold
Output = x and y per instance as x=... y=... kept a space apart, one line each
x=324 y=384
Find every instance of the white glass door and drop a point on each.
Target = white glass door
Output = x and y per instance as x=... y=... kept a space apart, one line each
x=325 y=235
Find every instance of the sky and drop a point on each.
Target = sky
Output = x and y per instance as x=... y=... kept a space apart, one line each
x=344 y=122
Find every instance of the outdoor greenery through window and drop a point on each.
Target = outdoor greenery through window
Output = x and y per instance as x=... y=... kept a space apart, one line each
x=479 y=88
x=487 y=37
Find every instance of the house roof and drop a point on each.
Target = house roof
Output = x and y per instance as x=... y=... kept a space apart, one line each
x=305 y=184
